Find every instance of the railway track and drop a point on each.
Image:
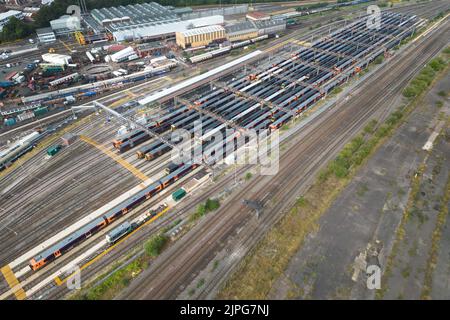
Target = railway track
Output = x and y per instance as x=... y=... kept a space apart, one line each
x=179 y=263
x=302 y=182
x=97 y=159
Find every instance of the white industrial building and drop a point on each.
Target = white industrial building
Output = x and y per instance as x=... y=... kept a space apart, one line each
x=5 y=16
x=146 y=20
x=46 y=35
x=56 y=58
x=155 y=30
x=65 y=24
x=126 y=54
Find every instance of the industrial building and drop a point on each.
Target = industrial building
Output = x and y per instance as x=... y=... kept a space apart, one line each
x=46 y=35
x=65 y=25
x=270 y=26
x=241 y=31
x=251 y=29
x=5 y=16
x=257 y=16
x=146 y=21
x=200 y=36
x=55 y=58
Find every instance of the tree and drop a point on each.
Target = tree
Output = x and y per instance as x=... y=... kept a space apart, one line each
x=15 y=29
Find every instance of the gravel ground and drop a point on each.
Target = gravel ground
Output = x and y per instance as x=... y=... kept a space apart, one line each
x=370 y=209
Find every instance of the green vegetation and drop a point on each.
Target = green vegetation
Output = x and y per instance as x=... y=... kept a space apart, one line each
x=336 y=90
x=200 y=283
x=204 y=208
x=154 y=245
x=215 y=265
x=112 y=284
x=421 y=82
x=439 y=104
x=248 y=176
x=15 y=29
x=379 y=59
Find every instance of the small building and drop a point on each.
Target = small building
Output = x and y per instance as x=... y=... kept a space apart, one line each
x=257 y=16
x=46 y=35
x=241 y=31
x=200 y=36
x=65 y=25
x=270 y=26
x=151 y=48
x=5 y=16
x=55 y=58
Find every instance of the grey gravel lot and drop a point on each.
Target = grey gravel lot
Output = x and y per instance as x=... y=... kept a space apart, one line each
x=371 y=208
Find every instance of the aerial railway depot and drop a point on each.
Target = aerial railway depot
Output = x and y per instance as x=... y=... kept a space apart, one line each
x=240 y=94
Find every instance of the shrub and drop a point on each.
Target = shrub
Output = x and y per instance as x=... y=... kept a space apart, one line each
x=155 y=244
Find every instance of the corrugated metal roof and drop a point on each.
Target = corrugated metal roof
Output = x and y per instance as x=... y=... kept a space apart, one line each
x=203 y=30
x=239 y=27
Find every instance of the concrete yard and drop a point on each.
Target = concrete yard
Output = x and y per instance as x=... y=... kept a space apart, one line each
x=371 y=208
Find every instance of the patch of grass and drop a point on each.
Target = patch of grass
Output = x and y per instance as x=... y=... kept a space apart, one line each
x=204 y=208
x=301 y=201
x=248 y=176
x=336 y=90
x=442 y=94
x=215 y=265
x=439 y=104
x=200 y=283
x=379 y=59
x=113 y=283
x=422 y=81
x=154 y=245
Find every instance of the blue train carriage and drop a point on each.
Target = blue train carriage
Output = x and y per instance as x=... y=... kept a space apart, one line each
x=99 y=223
x=120 y=232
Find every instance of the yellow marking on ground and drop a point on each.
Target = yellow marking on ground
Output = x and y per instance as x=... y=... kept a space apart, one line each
x=58 y=281
x=65 y=45
x=116 y=158
x=13 y=283
x=119 y=102
x=302 y=43
x=87 y=264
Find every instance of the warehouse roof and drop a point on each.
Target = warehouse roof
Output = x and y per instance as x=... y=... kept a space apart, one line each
x=269 y=23
x=137 y=14
x=42 y=31
x=241 y=27
x=203 y=30
x=9 y=14
x=256 y=15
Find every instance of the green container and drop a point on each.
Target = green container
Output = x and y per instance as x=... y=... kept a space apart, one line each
x=177 y=195
x=53 y=150
x=40 y=111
